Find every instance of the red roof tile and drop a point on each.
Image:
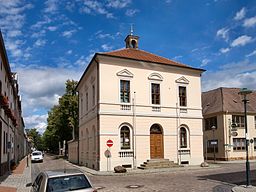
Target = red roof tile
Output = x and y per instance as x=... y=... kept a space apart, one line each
x=141 y=55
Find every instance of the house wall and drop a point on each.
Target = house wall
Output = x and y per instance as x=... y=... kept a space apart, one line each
x=103 y=120
x=223 y=134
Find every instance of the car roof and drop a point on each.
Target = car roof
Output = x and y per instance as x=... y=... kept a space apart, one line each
x=62 y=172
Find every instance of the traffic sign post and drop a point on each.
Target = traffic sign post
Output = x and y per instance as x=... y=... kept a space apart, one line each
x=108 y=153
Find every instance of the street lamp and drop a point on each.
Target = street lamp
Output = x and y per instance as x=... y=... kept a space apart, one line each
x=244 y=92
x=214 y=142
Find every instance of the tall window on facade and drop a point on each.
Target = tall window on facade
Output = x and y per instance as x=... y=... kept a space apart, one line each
x=4 y=141
x=183 y=96
x=183 y=138
x=209 y=122
x=254 y=142
x=87 y=139
x=82 y=104
x=125 y=91
x=255 y=122
x=239 y=144
x=87 y=107
x=125 y=138
x=93 y=95
x=155 y=93
x=239 y=120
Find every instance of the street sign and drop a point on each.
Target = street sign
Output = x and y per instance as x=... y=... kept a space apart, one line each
x=107 y=153
x=234 y=134
x=109 y=143
x=214 y=142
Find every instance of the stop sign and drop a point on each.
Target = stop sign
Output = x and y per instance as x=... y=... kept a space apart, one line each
x=109 y=143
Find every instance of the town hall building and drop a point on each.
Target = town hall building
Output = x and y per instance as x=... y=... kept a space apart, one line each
x=136 y=106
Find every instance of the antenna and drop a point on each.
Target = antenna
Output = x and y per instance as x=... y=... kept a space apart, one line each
x=131 y=33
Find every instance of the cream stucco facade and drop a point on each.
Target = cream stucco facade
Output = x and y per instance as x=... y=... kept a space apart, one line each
x=103 y=115
x=229 y=135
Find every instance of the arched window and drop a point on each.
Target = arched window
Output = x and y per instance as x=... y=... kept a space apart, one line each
x=125 y=138
x=183 y=138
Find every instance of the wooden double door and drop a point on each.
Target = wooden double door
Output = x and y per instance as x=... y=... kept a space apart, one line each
x=156 y=142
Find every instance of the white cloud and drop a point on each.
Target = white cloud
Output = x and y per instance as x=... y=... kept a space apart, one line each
x=95 y=7
x=251 y=54
x=131 y=12
x=69 y=52
x=106 y=47
x=41 y=87
x=52 y=28
x=118 y=3
x=12 y=20
x=69 y=33
x=36 y=121
x=224 y=50
x=240 y=14
x=241 y=41
x=205 y=62
x=81 y=61
x=51 y=6
x=250 y=22
x=223 y=33
x=240 y=74
x=40 y=43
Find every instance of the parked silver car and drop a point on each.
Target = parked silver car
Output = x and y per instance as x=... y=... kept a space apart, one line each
x=60 y=181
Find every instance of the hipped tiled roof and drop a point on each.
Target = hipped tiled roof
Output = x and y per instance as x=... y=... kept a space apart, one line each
x=140 y=55
x=227 y=100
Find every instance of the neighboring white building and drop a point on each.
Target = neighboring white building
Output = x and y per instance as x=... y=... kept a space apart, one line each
x=223 y=107
x=12 y=136
x=149 y=106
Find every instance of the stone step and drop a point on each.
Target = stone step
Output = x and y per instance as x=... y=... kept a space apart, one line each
x=158 y=163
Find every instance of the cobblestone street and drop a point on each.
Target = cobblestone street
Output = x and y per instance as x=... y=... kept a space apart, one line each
x=217 y=178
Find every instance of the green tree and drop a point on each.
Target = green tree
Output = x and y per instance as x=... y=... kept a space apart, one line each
x=36 y=139
x=62 y=119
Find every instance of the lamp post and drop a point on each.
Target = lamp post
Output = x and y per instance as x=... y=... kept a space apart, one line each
x=214 y=142
x=244 y=92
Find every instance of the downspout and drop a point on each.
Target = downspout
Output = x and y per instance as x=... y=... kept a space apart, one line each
x=98 y=116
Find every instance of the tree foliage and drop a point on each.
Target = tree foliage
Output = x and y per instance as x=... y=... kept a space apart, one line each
x=36 y=138
x=62 y=119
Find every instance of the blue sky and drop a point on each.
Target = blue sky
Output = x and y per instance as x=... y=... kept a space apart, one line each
x=51 y=41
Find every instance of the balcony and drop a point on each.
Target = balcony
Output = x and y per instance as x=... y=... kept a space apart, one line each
x=125 y=107
x=156 y=109
x=126 y=154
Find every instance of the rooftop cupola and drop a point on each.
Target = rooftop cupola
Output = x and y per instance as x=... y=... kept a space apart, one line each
x=132 y=41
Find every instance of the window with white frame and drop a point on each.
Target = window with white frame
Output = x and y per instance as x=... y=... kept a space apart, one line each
x=239 y=120
x=125 y=91
x=255 y=122
x=238 y=144
x=254 y=142
x=183 y=96
x=125 y=140
x=183 y=138
x=155 y=93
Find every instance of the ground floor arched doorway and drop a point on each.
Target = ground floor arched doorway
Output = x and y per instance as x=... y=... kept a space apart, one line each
x=156 y=142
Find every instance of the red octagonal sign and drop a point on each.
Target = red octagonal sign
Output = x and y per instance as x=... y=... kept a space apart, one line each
x=109 y=143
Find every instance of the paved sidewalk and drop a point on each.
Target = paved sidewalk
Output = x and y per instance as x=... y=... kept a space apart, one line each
x=18 y=179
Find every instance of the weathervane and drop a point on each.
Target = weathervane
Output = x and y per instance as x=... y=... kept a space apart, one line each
x=131 y=33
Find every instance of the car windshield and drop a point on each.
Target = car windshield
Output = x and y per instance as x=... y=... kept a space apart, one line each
x=36 y=153
x=67 y=183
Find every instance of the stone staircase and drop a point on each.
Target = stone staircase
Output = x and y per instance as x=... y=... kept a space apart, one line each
x=158 y=164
